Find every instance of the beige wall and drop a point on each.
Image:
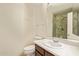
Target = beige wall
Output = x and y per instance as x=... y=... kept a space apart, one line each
x=11 y=29
x=42 y=22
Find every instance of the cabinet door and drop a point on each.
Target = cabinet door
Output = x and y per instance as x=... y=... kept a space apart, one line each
x=37 y=53
x=39 y=49
x=48 y=54
x=41 y=52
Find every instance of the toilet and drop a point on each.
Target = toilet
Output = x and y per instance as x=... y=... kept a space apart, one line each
x=30 y=50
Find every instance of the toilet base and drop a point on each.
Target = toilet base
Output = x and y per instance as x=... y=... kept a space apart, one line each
x=29 y=53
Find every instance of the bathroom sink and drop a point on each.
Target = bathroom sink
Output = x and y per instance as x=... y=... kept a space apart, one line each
x=51 y=44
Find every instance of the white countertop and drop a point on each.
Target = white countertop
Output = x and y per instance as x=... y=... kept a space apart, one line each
x=64 y=50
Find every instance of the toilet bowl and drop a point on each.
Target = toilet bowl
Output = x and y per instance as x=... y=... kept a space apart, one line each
x=29 y=50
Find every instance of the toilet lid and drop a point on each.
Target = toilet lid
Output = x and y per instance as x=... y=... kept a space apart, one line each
x=31 y=47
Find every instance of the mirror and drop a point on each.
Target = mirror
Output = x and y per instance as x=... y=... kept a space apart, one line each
x=60 y=22
x=62 y=25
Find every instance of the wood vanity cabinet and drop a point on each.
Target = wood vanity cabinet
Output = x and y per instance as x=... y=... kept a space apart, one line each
x=39 y=51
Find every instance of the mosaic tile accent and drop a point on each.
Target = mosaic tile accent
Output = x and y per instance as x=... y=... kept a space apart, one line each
x=60 y=25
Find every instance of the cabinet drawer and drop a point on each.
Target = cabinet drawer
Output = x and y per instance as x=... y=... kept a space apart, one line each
x=48 y=54
x=37 y=53
x=39 y=49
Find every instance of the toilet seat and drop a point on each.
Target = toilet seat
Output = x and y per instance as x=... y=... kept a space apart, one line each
x=30 y=48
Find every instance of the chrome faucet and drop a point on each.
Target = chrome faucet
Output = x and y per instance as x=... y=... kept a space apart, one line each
x=55 y=39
